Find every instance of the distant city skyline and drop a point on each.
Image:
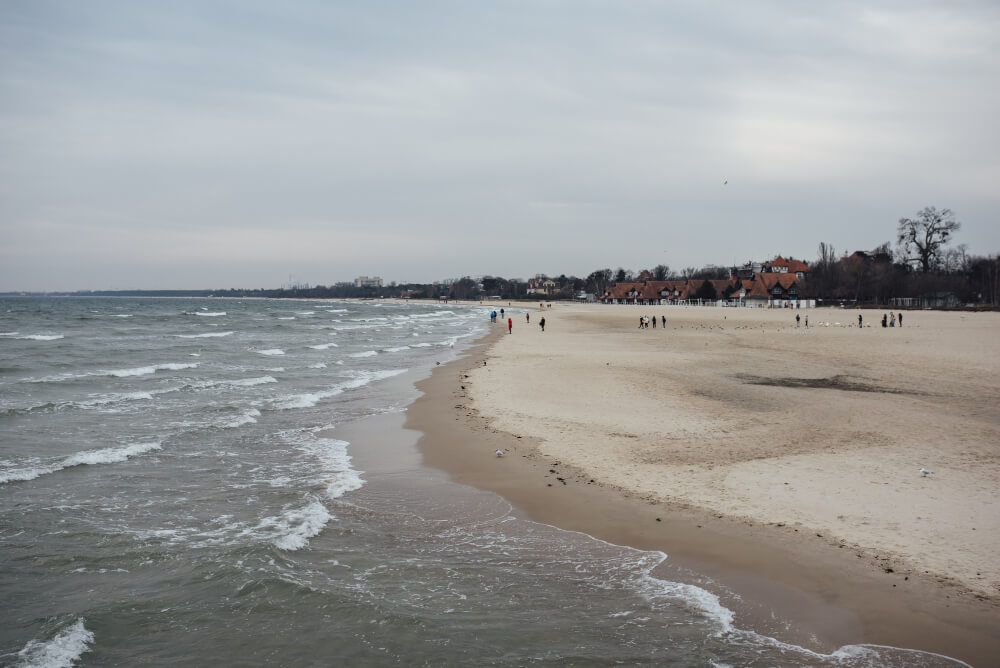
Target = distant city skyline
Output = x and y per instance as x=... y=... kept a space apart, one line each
x=211 y=145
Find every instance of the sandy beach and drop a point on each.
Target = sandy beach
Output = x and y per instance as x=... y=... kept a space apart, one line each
x=777 y=465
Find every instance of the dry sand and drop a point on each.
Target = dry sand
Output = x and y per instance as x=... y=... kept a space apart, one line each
x=784 y=461
x=738 y=411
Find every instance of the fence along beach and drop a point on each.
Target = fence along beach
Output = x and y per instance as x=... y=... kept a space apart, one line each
x=782 y=463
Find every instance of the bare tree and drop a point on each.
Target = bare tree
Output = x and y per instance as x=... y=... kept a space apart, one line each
x=923 y=238
x=660 y=272
x=622 y=275
x=598 y=280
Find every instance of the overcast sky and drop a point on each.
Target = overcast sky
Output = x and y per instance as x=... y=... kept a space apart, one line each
x=234 y=144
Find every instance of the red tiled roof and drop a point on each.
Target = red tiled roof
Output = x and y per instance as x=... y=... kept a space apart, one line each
x=793 y=265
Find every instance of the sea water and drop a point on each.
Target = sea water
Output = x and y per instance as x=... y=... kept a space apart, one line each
x=173 y=491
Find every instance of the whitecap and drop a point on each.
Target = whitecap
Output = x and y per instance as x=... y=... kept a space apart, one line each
x=207 y=335
x=310 y=399
x=64 y=649
x=288 y=317
x=367 y=353
x=335 y=463
x=146 y=370
x=248 y=417
x=323 y=346
x=85 y=458
x=40 y=337
x=109 y=455
x=211 y=314
x=318 y=365
x=295 y=526
x=114 y=399
x=397 y=349
x=250 y=382
x=271 y=352
x=9 y=333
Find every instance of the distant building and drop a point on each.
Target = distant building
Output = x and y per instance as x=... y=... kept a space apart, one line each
x=780 y=265
x=541 y=285
x=368 y=282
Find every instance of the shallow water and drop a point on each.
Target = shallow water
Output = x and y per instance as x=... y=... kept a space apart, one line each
x=176 y=487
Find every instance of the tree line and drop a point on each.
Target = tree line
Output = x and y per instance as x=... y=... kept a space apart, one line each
x=921 y=267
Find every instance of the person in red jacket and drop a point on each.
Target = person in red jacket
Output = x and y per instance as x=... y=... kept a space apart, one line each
x=510 y=326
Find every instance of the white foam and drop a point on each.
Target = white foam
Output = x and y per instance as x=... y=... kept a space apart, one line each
x=64 y=649
x=146 y=370
x=248 y=417
x=207 y=335
x=309 y=399
x=435 y=314
x=250 y=382
x=109 y=455
x=117 y=373
x=115 y=399
x=9 y=333
x=318 y=365
x=367 y=353
x=272 y=352
x=323 y=346
x=296 y=526
x=211 y=314
x=397 y=349
x=289 y=317
x=85 y=458
x=123 y=315
x=335 y=465
x=40 y=337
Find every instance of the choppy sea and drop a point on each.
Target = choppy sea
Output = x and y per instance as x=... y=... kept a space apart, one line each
x=173 y=491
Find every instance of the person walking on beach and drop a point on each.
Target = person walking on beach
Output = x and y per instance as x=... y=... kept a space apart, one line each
x=892 y=319
x=664 y=321
x=885 y=320
x=510 y=325
x=859 y=321
x=501 y=313
x=542 y=324
x=796 y=319
x=654 y=322
x=640 y=322
x=527 y=317
x=900 y=319
x=807 y=322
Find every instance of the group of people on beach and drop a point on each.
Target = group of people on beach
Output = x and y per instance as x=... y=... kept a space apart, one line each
x=891 y=321
x=510 y=321
x=645 y=320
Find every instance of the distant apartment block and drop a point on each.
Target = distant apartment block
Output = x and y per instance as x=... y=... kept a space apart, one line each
x=368 y=282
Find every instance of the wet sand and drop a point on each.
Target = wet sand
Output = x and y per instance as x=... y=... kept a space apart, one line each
x=777 y=467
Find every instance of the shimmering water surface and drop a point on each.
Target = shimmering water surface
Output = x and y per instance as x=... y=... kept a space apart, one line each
x=173 y=491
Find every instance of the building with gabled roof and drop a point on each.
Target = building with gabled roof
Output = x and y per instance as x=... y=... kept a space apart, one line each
x=780 y=265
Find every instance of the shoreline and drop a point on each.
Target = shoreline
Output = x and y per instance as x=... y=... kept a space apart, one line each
x=833 y=594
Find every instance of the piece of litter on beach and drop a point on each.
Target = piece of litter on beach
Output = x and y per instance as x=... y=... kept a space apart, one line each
x=926 y=472
x=499 y=453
